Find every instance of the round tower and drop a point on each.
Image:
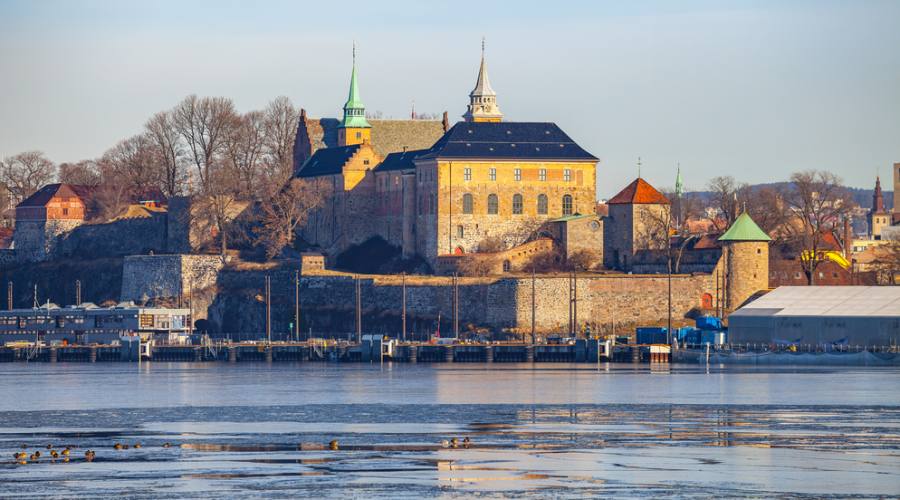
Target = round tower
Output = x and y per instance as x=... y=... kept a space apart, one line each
x=746 y=257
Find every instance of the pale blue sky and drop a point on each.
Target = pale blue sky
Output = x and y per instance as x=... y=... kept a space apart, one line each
x=750 y=89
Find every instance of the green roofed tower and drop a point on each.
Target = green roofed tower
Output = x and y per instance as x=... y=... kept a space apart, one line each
x=746 y=261
x=744 y=229
x=354 y=128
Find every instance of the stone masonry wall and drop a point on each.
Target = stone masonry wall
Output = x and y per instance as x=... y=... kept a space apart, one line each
x=328 y=302
x=177 y=276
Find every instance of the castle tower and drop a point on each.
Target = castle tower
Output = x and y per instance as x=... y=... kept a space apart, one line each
x=483 y=100
x=878 y=216
x=354 y=129
x=746 y=256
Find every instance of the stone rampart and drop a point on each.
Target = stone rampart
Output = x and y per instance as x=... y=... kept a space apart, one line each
x=327 y=302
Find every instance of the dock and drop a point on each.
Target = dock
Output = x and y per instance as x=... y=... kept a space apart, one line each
x=581 y=351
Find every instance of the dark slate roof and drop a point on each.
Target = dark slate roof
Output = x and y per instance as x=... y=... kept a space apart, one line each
x=43 y=195
x=327 y=161
x=507 y=141
x=400 y=161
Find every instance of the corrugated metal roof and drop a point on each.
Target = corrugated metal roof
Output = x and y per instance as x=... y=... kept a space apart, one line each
x=827 y=301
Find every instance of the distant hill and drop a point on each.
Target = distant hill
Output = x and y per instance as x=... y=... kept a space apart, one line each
x=861 y=196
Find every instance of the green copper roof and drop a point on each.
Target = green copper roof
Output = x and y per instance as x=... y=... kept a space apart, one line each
x=354 y=109
x=744 y=229
x=679 y=187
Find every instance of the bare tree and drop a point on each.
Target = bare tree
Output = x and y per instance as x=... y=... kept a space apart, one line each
x=133 y=163
x=476 y=265
x=728 y=197
x=164 y=137
x=25 y=173
x=886 y=264
x=818 y=202
x=245 y=152
x=83 y=173
x=204 y=124
x=283 y=210
x=280 y=123
x=219 y=207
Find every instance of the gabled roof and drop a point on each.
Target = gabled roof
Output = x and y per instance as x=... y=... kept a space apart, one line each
x=639 y=192
x=327 y=161
x=744 y=229
x=43 y=195
x=400 y=161
x=507 y=141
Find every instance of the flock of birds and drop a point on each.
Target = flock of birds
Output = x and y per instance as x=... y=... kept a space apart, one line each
x=23 y=457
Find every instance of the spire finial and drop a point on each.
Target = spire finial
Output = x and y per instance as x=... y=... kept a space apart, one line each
x=482 y=47
x=639 y=167
x=354 y=52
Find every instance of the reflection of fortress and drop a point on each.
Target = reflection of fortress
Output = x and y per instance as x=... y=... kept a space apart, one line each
x=432 y=189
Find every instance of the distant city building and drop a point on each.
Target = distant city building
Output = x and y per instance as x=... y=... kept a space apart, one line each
x=878 y=218
x=87 y=323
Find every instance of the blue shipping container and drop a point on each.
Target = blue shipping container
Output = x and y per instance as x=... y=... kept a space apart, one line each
x=709 y=323
x=651 y=335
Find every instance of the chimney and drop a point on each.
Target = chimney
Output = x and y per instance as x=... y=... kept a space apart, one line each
x=848 y=238
x=446 y=122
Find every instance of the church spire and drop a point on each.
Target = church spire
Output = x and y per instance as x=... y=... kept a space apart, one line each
x=877 y=197
x=354 y=129
x=679 y=186
x=483 y=100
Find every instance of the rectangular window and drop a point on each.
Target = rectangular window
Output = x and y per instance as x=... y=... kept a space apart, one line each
x=366 y=162
x=542 y=174
x=518 y=173
x=493 y=173
x=567 y=175
x=467 y=174
x=359 y=135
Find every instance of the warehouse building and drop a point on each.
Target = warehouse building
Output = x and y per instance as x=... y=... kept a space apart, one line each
x=836 y=315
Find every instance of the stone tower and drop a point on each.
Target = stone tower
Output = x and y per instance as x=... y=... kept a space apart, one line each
x=878 y=216
x=746 y=258
x=354 y=129
x=483 y=100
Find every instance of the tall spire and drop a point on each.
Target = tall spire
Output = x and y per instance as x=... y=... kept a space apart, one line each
x=354 y=109
x=679 y=186
x=877 y=197
x=483 y=100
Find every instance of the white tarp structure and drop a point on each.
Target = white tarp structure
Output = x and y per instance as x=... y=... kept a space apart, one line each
x=855 y=315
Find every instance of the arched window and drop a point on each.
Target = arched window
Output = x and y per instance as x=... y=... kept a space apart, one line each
x=542 y=204
x=492 y=204
x=567 y=204
x=517 y=204
x=468 y=203
x=507 y=266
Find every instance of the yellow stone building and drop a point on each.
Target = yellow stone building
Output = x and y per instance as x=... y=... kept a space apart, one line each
x=484 y=182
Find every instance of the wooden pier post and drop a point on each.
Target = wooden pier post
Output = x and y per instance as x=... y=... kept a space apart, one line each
x=92 y=354
x=529 y=354
x=413 y=354
x=269 y=354
x=488 y=354
x=448 y=353
x=232 y=354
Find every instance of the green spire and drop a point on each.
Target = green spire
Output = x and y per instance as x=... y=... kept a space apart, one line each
x=744 y=229
x=354 y=109
x=679 y=187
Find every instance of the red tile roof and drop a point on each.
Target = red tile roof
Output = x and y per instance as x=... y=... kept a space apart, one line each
x=639 y=192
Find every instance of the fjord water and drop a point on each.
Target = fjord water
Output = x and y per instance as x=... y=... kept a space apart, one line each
x=255 y=430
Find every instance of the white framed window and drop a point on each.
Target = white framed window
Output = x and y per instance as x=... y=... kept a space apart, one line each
x=518 y=174
x=542 y=174
x=467 y=174
x=493 y=174
x=567 y=175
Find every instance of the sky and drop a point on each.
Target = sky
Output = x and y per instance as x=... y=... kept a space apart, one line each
x=751 y=89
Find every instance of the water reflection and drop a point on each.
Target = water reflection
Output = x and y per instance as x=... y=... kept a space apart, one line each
x=209 y=430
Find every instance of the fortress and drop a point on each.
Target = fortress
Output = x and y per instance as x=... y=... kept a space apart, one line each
x=483 y=187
